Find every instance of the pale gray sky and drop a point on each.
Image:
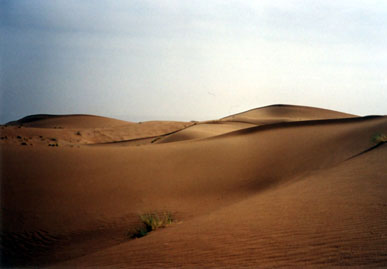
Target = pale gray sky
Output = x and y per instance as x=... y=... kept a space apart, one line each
x=184 y=60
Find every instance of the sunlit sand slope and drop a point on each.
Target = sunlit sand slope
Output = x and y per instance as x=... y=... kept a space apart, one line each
x=203 y=130
x=76 y=132
x=284 y=113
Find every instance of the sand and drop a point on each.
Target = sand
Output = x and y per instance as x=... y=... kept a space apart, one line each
x=274 y=186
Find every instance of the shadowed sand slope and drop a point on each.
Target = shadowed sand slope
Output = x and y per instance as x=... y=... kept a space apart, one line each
x=284 y=113
x=282 y=194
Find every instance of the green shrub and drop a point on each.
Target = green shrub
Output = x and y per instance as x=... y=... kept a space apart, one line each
x=155 y=221
x=151 y=222
x=379 y=138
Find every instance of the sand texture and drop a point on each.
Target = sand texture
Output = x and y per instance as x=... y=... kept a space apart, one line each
x=278 y=186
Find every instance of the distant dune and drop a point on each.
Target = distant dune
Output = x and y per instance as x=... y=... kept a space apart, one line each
x=275 y=186
x=284 y=113
x=67 y=121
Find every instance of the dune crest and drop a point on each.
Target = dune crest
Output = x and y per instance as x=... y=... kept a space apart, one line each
x=67 y=121
x=285 y=113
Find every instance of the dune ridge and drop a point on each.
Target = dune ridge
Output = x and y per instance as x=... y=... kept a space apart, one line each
x=67 y=121
x=292 y=193
x=284 y=113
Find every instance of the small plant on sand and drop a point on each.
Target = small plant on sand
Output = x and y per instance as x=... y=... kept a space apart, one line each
x=379 y=138
x=151 y=222
x=155 y=221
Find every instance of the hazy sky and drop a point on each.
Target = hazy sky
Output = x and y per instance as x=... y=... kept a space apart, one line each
x=185 y=60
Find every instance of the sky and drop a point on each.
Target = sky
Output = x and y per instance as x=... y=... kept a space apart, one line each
x=190 y=60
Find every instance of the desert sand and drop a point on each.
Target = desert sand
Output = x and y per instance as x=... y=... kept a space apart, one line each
x=277 y=186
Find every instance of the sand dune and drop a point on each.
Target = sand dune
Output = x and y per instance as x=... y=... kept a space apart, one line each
x=67 y=121
x=259 y=116
x=39 y=134
x=203 y=130
x=335 y=217
x=284 y=113
x=297 y=193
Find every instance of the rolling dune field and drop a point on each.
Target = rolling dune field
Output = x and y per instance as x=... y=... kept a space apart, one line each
x=277 y=186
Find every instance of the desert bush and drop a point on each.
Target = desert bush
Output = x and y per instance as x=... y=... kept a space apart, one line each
x=155 y=221
x=151 y=222
x=379 y=138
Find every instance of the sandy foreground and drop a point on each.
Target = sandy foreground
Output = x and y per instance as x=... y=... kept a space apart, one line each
x=278 y=186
